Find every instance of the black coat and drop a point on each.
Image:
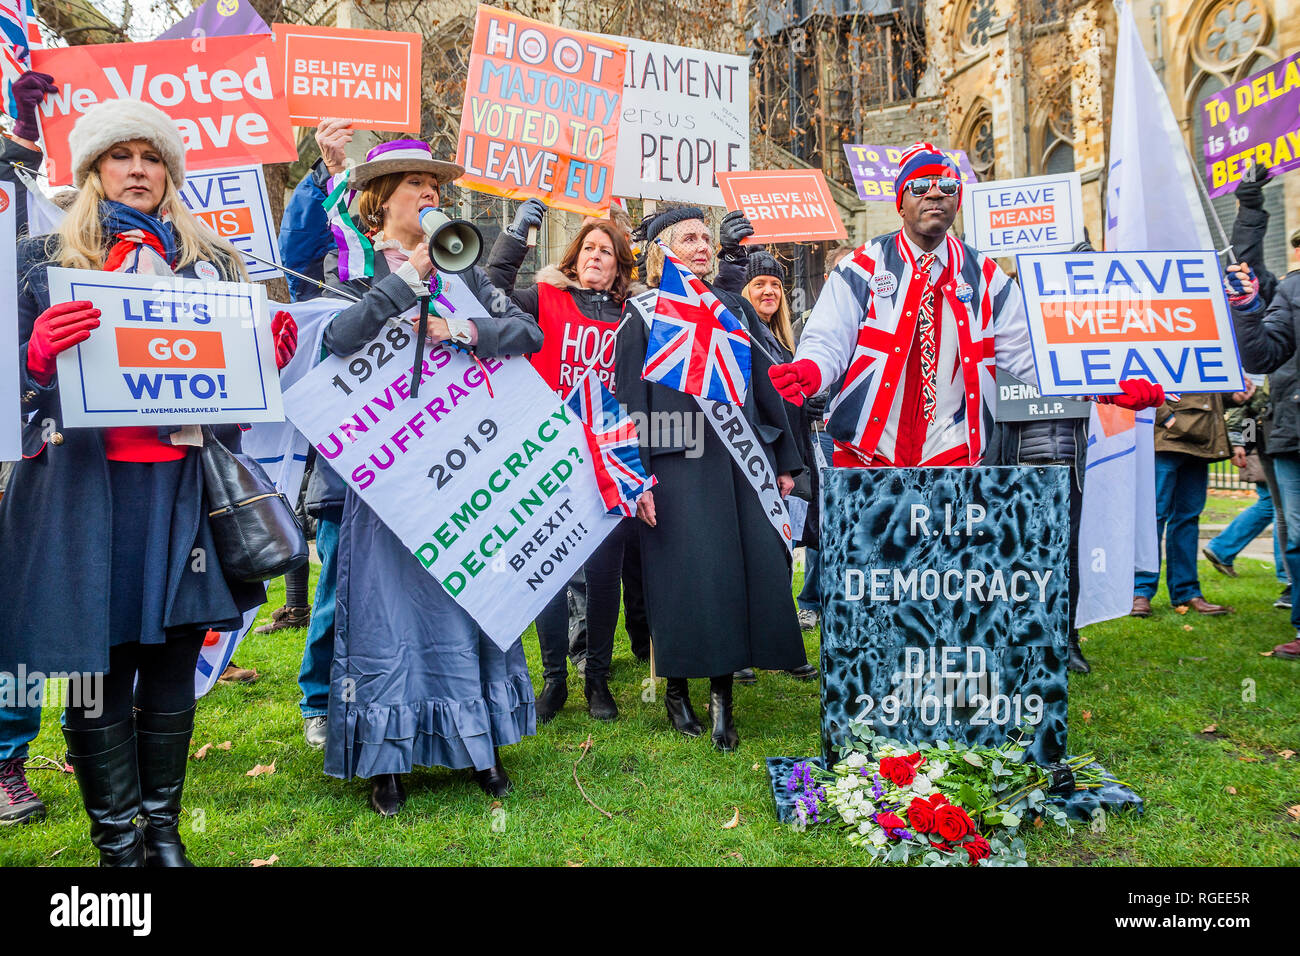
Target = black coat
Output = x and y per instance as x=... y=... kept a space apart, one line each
x=1267 y=340
x=57 y=514
x=716 y=575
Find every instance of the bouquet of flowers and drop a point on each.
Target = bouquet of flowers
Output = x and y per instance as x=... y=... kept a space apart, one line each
x=942 y=804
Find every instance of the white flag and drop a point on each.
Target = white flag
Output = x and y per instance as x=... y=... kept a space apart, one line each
x=1152 y=201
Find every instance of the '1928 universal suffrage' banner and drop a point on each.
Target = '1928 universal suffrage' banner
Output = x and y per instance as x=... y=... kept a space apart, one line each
x=492 y=491
x=1097 y=318
x=685 y=118
x=168 y=351
x=1256 y=121
x=226 y=95
x=541 y=112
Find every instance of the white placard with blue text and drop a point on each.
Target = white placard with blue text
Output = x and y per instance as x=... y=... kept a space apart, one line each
x=1097 y=318
x=1009 y=216
x=233 y=204
x=168 y=351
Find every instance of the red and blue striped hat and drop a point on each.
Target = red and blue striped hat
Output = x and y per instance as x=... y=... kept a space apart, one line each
x=923 y=159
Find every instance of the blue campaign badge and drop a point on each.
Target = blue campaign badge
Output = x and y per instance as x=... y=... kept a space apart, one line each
x=964 y=292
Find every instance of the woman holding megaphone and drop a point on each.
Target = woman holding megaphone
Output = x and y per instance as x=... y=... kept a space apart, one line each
x=109 y=567
x=415 y=681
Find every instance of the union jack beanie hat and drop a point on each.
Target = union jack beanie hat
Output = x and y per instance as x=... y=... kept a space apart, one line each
x=923 y=159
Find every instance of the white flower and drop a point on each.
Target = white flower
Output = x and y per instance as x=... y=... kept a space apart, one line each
x=922 y=786
x=856 y=760
x=849 y=816
x=936 y=770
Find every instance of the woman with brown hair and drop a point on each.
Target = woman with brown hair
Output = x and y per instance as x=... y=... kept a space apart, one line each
x=577 y=303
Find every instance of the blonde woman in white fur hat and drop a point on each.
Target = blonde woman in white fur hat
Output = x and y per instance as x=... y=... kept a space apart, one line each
x=101 y=524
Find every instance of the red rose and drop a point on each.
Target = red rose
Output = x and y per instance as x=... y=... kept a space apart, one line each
x=977 y=848
x=941 y=846
x=899 y=770
x=937 y=800
x=952 y=823
x=921 y=815
x=915 y=759
x=890 y=821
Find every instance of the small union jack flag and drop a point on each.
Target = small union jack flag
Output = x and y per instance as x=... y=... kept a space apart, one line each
x=695 y=345
x=19 y=33
x=612 y=442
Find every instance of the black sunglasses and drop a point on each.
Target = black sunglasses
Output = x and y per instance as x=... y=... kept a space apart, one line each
x=919 y=187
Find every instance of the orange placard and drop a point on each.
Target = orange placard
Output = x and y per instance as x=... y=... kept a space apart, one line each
x=541 y=112
x=784 y=205
x=1082 y=321
x=227 y=222
x=161 y=348
x=1022 y=216
x=371 y=77
x=227 y=97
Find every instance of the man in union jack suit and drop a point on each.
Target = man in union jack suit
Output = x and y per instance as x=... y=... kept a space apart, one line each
x=917 y=323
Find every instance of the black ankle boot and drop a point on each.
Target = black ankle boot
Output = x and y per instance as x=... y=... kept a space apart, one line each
x=387 y=795
x=600 y=702
x=162 y=742
x=551 y=700
x=494 y=781
x=724 y=733
x=105 y=763
x=1076 y=663
x=680 y=712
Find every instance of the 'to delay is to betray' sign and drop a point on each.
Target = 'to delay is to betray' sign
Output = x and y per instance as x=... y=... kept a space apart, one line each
x=168 y=351
x=226 y=97
x=1097 y=318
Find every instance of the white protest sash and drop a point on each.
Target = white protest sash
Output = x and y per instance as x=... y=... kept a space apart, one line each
x=737 y=436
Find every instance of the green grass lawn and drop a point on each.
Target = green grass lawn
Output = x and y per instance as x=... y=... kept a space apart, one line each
x=1222 y=506
x=1156 y=688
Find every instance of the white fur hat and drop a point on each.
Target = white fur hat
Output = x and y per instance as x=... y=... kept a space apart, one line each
x=118 y=121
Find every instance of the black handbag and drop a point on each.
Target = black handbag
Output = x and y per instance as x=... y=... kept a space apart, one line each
x=257 y=535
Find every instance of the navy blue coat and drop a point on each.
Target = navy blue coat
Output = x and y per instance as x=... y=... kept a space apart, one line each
x=56 y=515
x=305 y=235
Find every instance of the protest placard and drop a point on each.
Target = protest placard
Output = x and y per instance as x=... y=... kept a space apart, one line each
x=10 y=420
x=1021 y=402
x=492 y=491
x=1097 y=318
x=227 y=97
x=371 y=77
x=233 y=204
x=168 y=351
x=217 y=18
x=1040 y=214
x=874 y=169
x=684 y=118
x=541 y=112
x=784 y=205
x=1254 y=122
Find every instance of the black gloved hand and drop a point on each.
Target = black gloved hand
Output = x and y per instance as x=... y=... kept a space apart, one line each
x=733 y=228
x=528 y=217
x=816 y=406
x=1250 y=193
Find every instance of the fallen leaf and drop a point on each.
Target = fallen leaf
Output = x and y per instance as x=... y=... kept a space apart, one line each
x=572 y=863
x=1249 y=759
x=1232 y=790
x=736 y=856
x=274 y=859
x=755 y=767
x=735 y=820
x=224 y=745
x=260 y=769
x=57 y=852
x=585 y=745
x=1038 y=823
x=1265 y=653
x=494 y=805
x=1086 y=715
x=1187 y=627
x=1182 y=609
x=1286 y=754
x=1294 y=812
x=202 y=751
x=1212 y=729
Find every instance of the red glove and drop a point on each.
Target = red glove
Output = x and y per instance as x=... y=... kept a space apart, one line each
x=57 y=329
x=1138 y=394
x=284 y=333
x=796 y=380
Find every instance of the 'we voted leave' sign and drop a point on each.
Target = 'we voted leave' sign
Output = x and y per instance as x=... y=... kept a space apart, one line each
x=1041 y=214
x=1098 y=318
x=168 y=351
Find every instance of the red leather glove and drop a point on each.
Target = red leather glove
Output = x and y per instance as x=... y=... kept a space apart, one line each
x=57 y=329
x=796 y=380
x=284 y=333
x=1138 y=394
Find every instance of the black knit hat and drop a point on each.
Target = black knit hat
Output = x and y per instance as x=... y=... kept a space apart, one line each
x=671 y=217
x=761 y=263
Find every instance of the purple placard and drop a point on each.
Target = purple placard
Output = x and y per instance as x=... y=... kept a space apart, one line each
x=218 y=18
x=1255 y=120
x=874 y=169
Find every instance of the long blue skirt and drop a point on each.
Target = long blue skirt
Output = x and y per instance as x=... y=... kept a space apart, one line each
x=414 y=681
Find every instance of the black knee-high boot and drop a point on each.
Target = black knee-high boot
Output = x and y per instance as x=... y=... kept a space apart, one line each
x=680 y=712
x=163 y=744
x=724 y=733
x=104 y=760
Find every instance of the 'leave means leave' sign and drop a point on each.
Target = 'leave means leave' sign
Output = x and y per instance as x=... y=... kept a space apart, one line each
x=1041 y=214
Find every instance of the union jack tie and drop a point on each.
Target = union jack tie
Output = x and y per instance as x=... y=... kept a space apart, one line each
x=929 y=363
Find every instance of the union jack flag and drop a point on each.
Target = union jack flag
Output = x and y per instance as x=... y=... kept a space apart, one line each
x=19 y=34
x=695 y=345
x=612 y=442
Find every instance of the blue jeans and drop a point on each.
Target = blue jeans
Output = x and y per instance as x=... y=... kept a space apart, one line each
x=314 y=678
x=1286 y=468
x=1181 y=483
x=18 y=725
x=810 y=598
x=1245 y=528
